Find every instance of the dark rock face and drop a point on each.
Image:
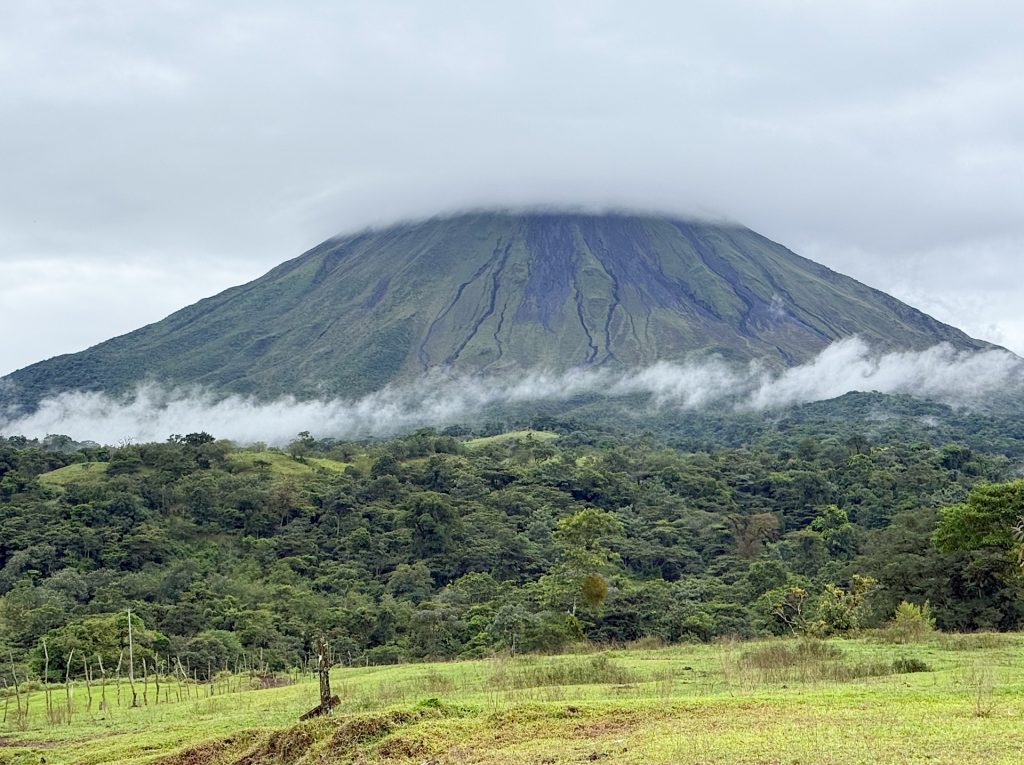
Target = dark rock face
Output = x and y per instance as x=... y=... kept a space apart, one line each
x=492 y=293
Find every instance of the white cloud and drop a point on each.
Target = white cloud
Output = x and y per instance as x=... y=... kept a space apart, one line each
x=153 y=413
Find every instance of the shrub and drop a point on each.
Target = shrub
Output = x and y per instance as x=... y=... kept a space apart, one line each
x=905 y=665
x=843 y=610
x=209 y=651
x=595 y=670
x=973 y=641
x=788 y=654
x=812 y=660
x=647 y=643
x=910 y=624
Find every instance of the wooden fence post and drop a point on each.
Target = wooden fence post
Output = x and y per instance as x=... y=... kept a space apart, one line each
x=131 y=661
x=67 y=684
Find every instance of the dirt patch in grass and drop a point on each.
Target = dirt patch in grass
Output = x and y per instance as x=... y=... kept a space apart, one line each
x=353 y=731
x=402 y=748
x=362 y=730
x=17 y=743
x=14 y=743
x=202 y=754
x=273 y=681
x=608 y=726
x=281 y=747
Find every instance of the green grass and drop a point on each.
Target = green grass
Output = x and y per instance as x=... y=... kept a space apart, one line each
x=284 y=465
x=768 y=702
x=79 y=472
x=536 y=435
x=277 y=464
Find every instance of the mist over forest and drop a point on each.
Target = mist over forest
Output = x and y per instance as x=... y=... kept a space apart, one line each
x=152 y=411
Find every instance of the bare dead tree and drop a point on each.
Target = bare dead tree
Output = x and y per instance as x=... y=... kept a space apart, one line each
x=88 y=685
x=103 y=683
x=323 y=665
x=145 y=683
x=117 y=676
x=28 y=701
x=131 y=661
x=67 y=684
x=17 y=690
x=46 y=681
x=185 y=679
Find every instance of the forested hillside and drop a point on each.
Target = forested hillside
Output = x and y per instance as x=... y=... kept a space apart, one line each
x=458 y=544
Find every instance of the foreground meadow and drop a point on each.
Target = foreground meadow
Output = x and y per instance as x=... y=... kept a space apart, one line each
x=951 y=699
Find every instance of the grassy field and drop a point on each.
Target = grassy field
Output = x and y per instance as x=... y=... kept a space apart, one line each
x=953 y=699
x=79 y=472
x=283 y=465
x=275 y=463
x=536 y=435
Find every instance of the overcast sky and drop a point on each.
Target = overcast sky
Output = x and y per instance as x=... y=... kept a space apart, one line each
x=153 y=153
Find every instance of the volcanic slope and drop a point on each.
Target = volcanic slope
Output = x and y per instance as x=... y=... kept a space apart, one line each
x=493 y=292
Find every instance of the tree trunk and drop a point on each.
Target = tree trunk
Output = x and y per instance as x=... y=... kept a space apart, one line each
x=88 y=685
x=117 y=676
x=327 y=701
x=103 y=684
x=17 y=690
x=67 y=684
x=46 y=683
x=131 y=661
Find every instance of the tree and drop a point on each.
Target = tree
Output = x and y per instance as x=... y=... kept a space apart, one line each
x=992 y=517
x=102 y=635
x=583 y=557
x=845 y=609
x=302 y=446
x=196 y=440
x=752 y=531
x=838 y=534
x=210 y=651
x=412 y=581
x=432 y=519
x=789 y=609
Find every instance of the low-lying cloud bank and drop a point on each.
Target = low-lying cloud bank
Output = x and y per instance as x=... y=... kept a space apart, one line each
x=152 y=412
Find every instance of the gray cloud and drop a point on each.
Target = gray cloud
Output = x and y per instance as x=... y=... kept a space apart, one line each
x=169 y=135
x=152 y=413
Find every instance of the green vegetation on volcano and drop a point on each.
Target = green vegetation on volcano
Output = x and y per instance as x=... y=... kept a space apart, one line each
x=491 y=293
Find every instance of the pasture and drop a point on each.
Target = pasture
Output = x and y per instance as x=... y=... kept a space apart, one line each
x=950 y=699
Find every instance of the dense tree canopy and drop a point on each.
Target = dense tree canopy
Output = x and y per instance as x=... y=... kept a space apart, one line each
x=446 y=544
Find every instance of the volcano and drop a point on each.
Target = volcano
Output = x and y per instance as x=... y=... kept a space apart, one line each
x=497 y=293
